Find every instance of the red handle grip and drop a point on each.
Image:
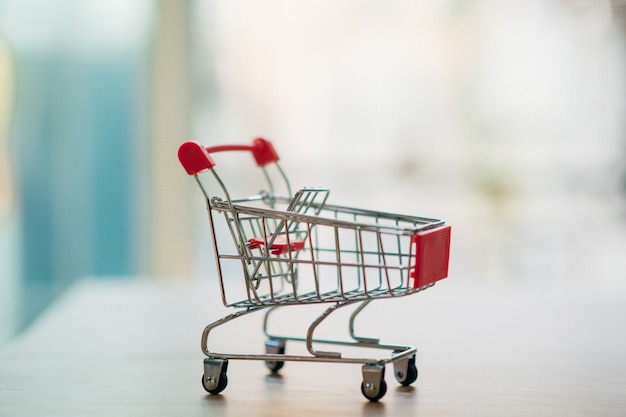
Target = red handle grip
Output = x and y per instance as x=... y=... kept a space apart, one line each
x=196 y=158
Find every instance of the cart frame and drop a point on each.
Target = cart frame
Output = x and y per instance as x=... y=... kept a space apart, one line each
x=288 y=249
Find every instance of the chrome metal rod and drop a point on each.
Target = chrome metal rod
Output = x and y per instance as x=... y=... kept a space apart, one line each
x=223 y=320
x=355 y=313
x=313 y=326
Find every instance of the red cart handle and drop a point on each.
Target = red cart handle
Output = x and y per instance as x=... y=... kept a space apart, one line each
x=196 y=158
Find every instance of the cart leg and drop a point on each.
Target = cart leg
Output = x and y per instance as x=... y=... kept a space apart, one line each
x=275 y=347
x=355 y=313
x=214 y=379
x=217 y=323
x=373 y=386
x=313 y=326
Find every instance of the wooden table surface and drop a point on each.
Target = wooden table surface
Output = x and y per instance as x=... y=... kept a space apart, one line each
x=132 y=348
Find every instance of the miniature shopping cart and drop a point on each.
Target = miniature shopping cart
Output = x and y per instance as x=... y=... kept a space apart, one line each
x=278 y=249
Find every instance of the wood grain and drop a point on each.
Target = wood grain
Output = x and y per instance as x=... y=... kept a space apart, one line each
x=132 y=348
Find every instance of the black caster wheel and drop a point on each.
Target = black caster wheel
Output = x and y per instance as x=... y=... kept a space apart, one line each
x=405 y=371
x=214 y=379
x=374 y=394
x=275 y=347
x=374 y=386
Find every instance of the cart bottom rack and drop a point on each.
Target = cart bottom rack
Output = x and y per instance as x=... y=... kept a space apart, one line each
x=300 y=250
x=373 y=386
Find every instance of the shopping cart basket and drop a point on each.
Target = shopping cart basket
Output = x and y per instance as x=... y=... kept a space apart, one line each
x=296 y=249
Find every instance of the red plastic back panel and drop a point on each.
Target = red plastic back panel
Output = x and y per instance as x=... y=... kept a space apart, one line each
x=432 y=253
x=194 y=158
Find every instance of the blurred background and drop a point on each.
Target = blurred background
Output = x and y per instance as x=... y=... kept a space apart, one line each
x=505 y=118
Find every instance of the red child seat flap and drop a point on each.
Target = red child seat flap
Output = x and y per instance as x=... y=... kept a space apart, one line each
x=279 y=245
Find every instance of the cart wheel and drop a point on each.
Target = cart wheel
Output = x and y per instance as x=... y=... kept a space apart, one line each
x=373 y=386
x=407 y=374
x=367 y=392
x=221 y=384
x=275 y=347
x=274 y=366
x=214 y=379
